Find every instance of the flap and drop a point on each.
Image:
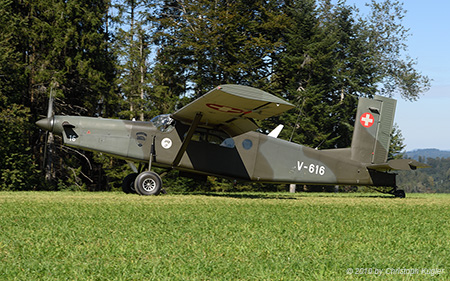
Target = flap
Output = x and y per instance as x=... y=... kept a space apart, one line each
x=232 y=108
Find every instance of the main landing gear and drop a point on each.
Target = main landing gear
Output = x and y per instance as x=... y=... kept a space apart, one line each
x=128 y=183
x=145 y=183
x=148 y=183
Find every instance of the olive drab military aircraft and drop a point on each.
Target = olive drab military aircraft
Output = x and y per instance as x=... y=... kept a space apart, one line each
x=215 y=135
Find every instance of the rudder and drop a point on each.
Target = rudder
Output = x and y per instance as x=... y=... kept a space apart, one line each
x=373 y=126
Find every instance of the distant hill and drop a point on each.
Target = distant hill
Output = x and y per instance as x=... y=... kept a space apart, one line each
x=436 y=178
x=427 y=153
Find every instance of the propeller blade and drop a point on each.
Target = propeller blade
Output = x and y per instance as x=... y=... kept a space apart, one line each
x=50 y=105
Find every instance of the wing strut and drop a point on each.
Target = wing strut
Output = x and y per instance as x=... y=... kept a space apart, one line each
x=187 y=139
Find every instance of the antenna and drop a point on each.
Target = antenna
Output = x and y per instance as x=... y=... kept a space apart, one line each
x=296 y=122
x=317 y=147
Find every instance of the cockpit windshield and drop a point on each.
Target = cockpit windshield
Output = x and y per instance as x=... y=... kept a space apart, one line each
x=164 y=123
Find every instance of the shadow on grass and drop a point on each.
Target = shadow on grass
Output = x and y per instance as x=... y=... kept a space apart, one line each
x=243 y=195
x=286 y=196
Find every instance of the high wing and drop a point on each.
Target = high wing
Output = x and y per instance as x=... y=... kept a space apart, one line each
x=232 y=108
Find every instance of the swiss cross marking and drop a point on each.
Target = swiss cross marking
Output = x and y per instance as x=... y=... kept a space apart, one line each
x=367 y=120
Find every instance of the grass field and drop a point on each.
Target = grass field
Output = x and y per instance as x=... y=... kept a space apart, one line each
x=114 y=236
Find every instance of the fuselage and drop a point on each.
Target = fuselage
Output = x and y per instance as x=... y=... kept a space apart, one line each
x=250 y=156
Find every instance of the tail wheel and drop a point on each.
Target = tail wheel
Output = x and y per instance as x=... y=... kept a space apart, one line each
x=128 y=183
x=399 y=193
x=148 y=183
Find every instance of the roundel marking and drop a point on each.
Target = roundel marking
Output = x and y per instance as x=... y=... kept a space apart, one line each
x=166 y=143
x=367 y=120
x=224 y=108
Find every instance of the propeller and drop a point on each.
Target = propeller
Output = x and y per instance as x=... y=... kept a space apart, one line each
x=47 y=125
x=52 y=126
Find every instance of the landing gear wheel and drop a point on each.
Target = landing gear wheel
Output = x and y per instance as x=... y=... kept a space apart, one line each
x=128 y=183
x=148 y=183
x=399 y=193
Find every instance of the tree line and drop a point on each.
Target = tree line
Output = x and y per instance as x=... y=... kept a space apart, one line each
x=139 y=58
x=431 y=180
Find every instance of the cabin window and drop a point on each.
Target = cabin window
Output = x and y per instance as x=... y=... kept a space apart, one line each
x=164 y=123
x=213 y=137
x=228 y=142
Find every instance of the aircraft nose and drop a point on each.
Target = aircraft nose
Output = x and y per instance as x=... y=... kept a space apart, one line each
x=46 y=124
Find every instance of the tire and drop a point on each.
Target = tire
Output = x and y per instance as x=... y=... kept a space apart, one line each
x=148 y=183
x=400 y=193
x=128 y=183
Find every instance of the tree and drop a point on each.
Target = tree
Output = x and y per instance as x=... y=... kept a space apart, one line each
x=54 y=46
x=13 y=72
x=73 y=61
x=324 y=68
x=96 y=56
x=433 y=179
x=397 y=147
x=18 y=167
x=132 y=47
x=204 y=43
x=331 y=57
x=387 y=37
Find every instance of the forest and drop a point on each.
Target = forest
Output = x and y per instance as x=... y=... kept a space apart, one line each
x=435 y=179
x=138 y=58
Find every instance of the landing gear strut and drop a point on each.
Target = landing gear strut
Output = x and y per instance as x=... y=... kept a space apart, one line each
x=143 y=182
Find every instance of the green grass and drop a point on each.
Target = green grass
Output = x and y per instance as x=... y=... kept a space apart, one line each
x=253 y=236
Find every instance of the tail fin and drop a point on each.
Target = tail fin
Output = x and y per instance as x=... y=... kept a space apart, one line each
x=373 y=126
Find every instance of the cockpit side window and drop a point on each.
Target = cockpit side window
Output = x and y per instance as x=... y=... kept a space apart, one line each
x=213 y=137
x=164 y=123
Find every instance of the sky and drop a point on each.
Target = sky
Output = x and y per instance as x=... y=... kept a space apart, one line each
x=423 y=123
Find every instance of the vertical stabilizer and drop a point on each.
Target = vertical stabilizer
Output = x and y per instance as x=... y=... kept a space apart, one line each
x=373 y=126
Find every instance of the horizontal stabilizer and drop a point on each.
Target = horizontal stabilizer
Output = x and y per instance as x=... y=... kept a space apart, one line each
x=398 y=165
